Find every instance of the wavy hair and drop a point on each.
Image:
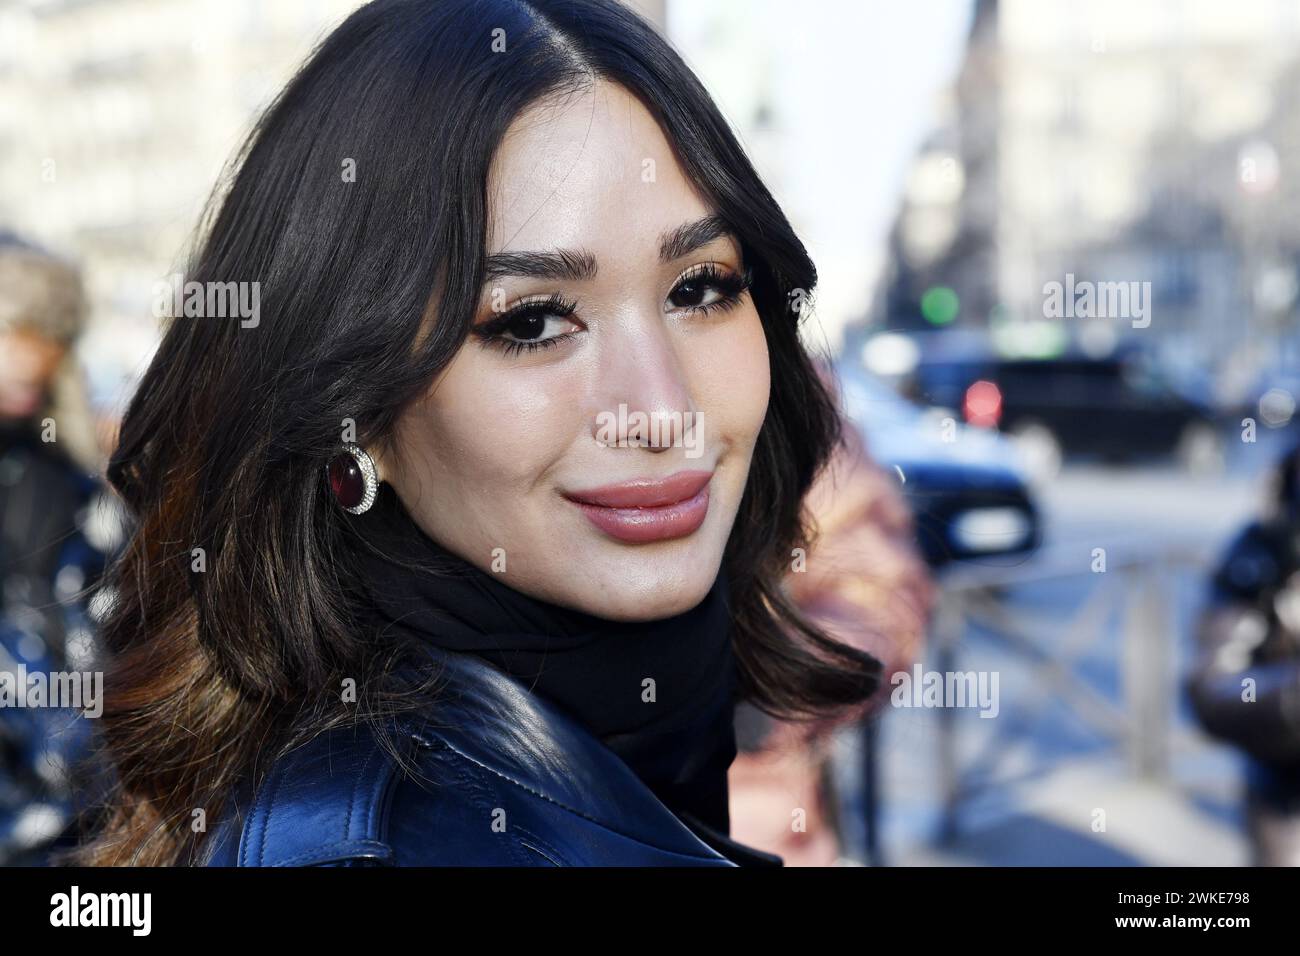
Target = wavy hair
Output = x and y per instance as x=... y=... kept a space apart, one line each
x=223 y=445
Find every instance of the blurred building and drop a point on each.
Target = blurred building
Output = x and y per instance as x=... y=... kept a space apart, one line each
x=116 y=119
x=830 y=99
x=1115 y=142
x=118 y=116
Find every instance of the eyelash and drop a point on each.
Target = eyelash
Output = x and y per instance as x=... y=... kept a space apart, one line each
x=730 y=285
x=553 y=305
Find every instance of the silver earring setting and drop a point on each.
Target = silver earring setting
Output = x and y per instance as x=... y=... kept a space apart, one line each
x=353 y=478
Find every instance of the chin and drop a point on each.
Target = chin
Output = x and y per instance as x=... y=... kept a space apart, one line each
x=633 y=610
x=649 y=590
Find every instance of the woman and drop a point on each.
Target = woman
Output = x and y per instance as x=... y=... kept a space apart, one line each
x=1244 y=685
x=464 y=549
x=866 y=584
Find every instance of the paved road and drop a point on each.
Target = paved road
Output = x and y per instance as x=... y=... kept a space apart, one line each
x=1065 y=789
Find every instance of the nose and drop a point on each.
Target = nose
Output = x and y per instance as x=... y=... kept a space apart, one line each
x=646 y=398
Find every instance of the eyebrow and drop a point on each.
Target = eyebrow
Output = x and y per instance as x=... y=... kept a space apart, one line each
x=579 y=266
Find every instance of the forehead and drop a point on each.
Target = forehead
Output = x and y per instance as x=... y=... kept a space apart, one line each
x=588 y=170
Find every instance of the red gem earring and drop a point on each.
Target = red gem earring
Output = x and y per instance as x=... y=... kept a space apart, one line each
x=353 y=479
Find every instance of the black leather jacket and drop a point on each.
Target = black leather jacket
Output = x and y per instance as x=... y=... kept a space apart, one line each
x=502 y=778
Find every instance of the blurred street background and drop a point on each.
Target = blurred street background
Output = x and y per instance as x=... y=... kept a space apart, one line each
x=1033 y=777
x=1059 y=249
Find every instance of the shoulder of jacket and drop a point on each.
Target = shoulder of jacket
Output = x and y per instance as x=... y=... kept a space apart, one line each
x=488 y=750
x=321 y=803
x=341 y=799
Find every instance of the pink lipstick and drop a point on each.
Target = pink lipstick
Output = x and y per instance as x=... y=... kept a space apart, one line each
x=648 y=509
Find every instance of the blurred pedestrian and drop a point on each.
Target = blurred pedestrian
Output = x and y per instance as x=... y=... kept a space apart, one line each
x=1245 y=687
x=863 y=582
x=55 y=532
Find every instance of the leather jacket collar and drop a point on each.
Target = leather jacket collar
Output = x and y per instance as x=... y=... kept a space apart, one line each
x=487 y=744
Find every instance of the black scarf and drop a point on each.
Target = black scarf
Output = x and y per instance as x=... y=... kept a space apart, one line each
x=680 y=745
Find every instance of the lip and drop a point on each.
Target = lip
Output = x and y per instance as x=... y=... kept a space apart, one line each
x=648 y=509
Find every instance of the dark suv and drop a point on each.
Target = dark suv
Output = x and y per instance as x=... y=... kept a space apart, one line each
x=1117 y=407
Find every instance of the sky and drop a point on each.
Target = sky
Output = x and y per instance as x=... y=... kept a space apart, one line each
x=856 y=85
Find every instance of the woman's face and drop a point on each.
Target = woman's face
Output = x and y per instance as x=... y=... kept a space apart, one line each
x=591 y=439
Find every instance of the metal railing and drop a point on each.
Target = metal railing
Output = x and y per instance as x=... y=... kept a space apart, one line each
x=1135 y=592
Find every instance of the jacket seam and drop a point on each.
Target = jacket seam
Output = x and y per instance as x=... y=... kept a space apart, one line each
x=573 y=810
x=322 y=853
x=260 y=817
x=542 y=848
x=357 y=786
x=264 y=819
x=478 y=794
x=382 y=798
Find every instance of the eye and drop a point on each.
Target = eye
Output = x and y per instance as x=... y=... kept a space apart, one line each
x=530 y=325
x=533 y=327
x=706 y=287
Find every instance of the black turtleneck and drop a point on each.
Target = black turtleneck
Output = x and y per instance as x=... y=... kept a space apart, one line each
x=660 y=694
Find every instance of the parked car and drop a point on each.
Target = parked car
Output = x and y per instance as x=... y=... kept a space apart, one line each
x=1117 y=408
x=966 y=486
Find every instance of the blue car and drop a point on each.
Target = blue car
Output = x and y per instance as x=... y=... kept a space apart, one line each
x=967 y=486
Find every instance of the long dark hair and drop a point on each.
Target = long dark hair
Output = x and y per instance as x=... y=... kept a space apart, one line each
x=223 y=445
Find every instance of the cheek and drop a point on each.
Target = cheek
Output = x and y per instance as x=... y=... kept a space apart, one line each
x=484 y=429
x=730 y=367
